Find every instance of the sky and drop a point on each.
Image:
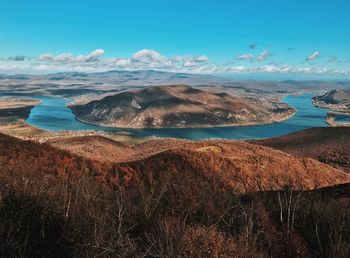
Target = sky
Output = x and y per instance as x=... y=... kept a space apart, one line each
x=293 y=38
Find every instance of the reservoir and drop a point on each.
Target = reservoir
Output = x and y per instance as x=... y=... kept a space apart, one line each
x=53 y=115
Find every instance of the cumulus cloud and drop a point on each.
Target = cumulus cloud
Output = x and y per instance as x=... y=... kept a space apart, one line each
x=264 y=55
x=151 y=59
x=95 y=54
x=142 y=59
x=70 y=58
x=313 y=56
x=245 y=57
x=192 y=61
x=147 y=55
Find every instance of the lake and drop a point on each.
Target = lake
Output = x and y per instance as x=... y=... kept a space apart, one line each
x=53 y=115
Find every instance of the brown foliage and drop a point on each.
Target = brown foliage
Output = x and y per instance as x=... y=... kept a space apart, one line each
x=330 y=145
x=56 y=204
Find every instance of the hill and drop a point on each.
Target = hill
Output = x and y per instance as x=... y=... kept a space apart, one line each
x=13 y=109
x=239 y=165
x=178 y=106
x=330 y=145
x=184 y=201
x=94 y=147
x=338 y=100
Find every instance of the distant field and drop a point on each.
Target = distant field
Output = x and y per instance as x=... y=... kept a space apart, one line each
x=13 y=109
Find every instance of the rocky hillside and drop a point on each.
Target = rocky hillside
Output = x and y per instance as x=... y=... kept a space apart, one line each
x=334 y=99
x=178 y=106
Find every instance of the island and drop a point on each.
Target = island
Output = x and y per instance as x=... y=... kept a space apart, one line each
x=179 y=106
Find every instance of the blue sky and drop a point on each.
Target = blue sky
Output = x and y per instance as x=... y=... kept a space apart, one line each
x=286 y=37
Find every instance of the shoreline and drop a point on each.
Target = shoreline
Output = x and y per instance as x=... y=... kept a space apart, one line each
x=277 y=120
x=24 y=131
x=334 y=111
x=330 y=120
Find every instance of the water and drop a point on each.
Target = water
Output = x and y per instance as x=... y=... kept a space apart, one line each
x=53 y=115
x=342 y=119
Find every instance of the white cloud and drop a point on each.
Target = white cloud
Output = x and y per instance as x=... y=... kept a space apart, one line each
x=313 y=56
x=202 y=58
x=65 y=57
x=263 y=55
x=151 y=59
x=147 y=55
x=70 y=58
x=192 y=61
x=96 y=54
x=248 y=57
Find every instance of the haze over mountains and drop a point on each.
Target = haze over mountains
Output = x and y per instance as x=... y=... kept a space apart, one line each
x=127 y=78
x=76 y=83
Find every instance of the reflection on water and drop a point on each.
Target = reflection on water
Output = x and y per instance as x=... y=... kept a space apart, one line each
x=52 y=114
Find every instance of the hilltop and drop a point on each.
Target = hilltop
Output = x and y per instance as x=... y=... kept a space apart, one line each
x=330 y=145
x=243 y=166
x=13 y=109
x=338 y=100
x=179 y=106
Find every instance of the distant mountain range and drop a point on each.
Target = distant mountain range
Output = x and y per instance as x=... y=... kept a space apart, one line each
x=131 y=78
x=72 y=84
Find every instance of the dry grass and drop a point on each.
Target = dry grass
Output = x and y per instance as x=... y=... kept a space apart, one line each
x=165 y=206
x=213 y=149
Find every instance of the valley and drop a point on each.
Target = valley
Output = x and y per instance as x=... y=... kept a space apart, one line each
x=244 y=159
x=174 y=129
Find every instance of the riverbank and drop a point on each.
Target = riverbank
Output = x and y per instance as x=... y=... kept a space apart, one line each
x=53 y=116
x=277 y=118
x=22 y=130
x=13 y=114
x=331 y=119
x=333 y=107
x=335 y=111
x=13 y=109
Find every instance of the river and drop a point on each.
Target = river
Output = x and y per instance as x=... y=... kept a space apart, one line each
x=53 y=115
